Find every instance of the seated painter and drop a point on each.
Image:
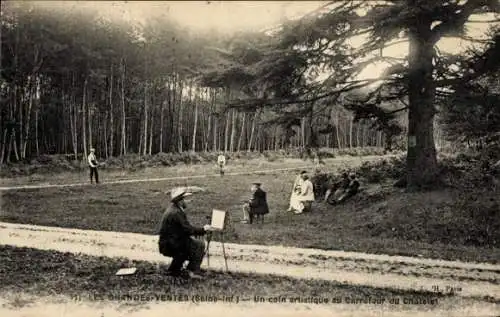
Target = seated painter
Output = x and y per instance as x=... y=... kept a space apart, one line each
x=176 y=237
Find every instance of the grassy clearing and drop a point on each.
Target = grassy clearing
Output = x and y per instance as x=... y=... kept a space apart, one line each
x=56 y=164
x=382 y=220
x=54 y=273
x=206 y=168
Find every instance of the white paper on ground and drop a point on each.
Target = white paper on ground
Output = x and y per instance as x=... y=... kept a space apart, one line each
x=126 y=271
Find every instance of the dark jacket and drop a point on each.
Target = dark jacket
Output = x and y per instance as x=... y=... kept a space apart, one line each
x=176 y=231
x=258 y=203
x=353 y=187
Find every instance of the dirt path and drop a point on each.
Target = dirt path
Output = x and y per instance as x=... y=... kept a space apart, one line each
x=476 y=280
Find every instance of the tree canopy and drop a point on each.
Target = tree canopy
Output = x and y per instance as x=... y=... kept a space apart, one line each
x=79 y=79
x=329 y=49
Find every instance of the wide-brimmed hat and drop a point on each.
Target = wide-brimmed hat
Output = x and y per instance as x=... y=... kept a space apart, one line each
x=179 y=193
x=257 y=183
x=92 y=150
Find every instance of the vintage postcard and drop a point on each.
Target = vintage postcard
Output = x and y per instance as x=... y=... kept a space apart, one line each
x=243 y=158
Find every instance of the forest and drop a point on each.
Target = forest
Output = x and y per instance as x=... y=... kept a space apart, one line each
x=78 y=79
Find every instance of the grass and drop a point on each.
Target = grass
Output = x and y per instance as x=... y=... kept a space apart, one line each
x=432 y=225
x=181 y=169
x=48 y=273
x=63 y=163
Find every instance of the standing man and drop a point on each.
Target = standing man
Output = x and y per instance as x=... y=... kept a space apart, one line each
x=306 y=197
x=93 y=166
x=221 y=161
x=176 y=237
x=256 y=206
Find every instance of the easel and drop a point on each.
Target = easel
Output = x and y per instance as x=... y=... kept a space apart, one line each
x=218 y=222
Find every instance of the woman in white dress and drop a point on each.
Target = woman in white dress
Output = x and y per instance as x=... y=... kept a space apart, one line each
x=306 y=197
x=295 y=203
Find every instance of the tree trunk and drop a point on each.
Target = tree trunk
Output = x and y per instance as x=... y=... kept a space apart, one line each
x=72 y=118
x=359 y=128
x=84 y=122
x=275 y=138
x=150 y=145
x=226 y=133
x=145 y=127
x=180 y=118
x=37 y=111
x=242 y=132
x=303 y=132
x=162 y=116
x=172 y=100
x=90 y=114
x=4 y=143
x=350 y=131
x=12 y=140
x=421 y=156
x=233 y=131
x=252 y=133
x=196 y=101
x=111 y=115
x=208 y=135
x=26 y=130
x=215 y=148
x=337 y=132
x=123 y=145
x=106 y=145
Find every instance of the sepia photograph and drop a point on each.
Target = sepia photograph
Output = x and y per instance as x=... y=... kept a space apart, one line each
x=243 y=158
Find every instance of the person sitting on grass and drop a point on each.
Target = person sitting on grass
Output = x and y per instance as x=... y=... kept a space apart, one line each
x=351 y=190
x=296 y=191
x=176 y=238
x=256 y=206
x=306 y=197
x=338 y=188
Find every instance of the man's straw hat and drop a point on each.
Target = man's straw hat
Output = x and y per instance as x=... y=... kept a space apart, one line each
x=178 y=193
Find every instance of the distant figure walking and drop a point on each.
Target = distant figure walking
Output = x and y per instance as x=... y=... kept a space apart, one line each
x=221 y=161
x=93 y=166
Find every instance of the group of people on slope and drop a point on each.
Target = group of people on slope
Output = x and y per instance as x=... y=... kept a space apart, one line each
x=304 y=192
x=340 y=191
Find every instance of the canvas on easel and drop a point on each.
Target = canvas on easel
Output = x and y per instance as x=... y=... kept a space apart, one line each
x=218 y=219
x=218 y=225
